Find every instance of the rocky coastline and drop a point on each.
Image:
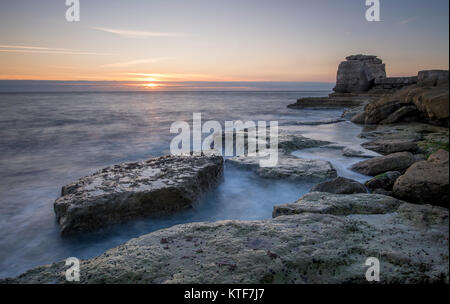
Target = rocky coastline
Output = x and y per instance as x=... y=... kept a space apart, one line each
x=400 y=215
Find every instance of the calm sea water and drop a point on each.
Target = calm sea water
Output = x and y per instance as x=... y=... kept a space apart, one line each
x=48 y=140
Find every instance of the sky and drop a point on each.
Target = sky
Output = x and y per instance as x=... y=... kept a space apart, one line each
x=206 y=43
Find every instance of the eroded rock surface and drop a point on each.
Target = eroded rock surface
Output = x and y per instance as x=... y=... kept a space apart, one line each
x=328 y=243
x=134 y=190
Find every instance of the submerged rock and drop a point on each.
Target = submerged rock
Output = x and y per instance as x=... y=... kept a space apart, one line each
x=288 y=167
x=426 y=182
x=329 y=243
x=393 y=162
x=340 y=185
x=134 y=190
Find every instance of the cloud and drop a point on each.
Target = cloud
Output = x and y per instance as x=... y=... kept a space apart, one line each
x=26 y=47
x=136 y=34
x=134 y=62
x=172 y=76
x=45 y=50
x=406 y=21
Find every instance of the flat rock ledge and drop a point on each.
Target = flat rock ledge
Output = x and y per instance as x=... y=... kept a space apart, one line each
x=134 y=190
x=338 y=204
x=331 y=101
x=327 y=243
x=288 y=167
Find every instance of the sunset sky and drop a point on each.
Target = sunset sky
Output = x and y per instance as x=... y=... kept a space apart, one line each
x=166 y=42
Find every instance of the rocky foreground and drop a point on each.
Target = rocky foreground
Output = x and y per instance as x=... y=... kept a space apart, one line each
x=322 y=238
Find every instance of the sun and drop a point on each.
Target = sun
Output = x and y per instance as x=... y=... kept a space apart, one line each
x=151 y=85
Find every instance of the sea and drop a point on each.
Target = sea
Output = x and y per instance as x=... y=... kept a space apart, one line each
x=50 y=139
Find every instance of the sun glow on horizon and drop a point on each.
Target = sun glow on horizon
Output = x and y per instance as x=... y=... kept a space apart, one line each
x=151 y=85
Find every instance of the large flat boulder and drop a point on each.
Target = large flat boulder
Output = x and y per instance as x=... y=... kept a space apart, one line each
x=426 y=182
x=323 y=245
x=340 y=185
x=134 y=190
x=393 y=162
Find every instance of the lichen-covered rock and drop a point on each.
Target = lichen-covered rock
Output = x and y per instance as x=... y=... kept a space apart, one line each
x=134 y=190
x=426 y=182
x=288 y=167
x=340 y=185
x=393 y=162
x=387 y=146
x=384 y=181
x=326 y=244
x=358 y=72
